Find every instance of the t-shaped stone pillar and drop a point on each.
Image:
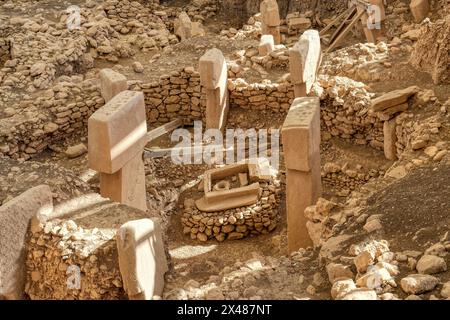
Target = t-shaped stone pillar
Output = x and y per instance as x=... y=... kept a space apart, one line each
x=301 y=145
x=271 y=19
x=117 y=137
x=213 y=77
x=304 y=62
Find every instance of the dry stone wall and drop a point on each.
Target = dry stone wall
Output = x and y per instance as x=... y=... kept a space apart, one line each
x=233 y=224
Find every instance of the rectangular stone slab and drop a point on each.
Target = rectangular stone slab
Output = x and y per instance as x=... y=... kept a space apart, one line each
x=212 y=67
x=15 y=218
x=393 y=98
x=112 y=83
x=305 y=58
x=126 y=186
x=301 y=134
x=117 y=132
x=142 y=260
x=270 y=13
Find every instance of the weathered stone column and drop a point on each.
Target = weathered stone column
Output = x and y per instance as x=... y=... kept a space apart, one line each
x=271 y=19
x=301 y=146
x=117 y=137
x=16 y=215
x=111 y=83
x=213 y=77
x=142 y=258
x=304 y=61
x=419 y=9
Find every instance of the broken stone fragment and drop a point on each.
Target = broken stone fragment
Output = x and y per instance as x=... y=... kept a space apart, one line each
x=418 y=283
x=429 y=264
x=142 y=258
x=76 y=151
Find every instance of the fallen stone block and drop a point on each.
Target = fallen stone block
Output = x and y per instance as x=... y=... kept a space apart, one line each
x=15 y=218
x=142 y=259
x=393 y=98
x=418 y=283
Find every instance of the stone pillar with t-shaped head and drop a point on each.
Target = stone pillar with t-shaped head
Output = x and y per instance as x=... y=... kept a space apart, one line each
x=117 y=134
x=301 y=146
x=213 y=77
x=271 y=19
x=304 y=62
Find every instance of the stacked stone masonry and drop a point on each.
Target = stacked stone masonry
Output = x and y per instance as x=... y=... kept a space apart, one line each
x=260 y=218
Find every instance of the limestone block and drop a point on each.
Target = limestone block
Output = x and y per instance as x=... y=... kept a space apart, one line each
x=301 y=134
x=266 y=45
x=305 y=58
x=127 y=185
x=183 y=26
x=15 y=218
x=270 y=13
x=390 y=139
x=112 y=83
x=142 y=259
x=393 y=98
x=419 y=9
x=213 y=69
x=117 y=132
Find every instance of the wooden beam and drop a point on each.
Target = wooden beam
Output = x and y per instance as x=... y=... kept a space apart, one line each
x=335 y=21
x=346 y=30
x=336 y=33
x=162 y=130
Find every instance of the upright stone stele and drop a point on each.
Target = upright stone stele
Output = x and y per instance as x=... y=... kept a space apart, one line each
x=266 y=45
x=304 y=62
x=111 y=83
x=271 y=19
x=142 y=258
x=15 y=218
x=117 y=137
x=301 y=145
x=419 y=9
x=213 y=77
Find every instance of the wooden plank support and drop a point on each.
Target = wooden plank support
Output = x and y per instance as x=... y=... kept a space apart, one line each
x=162 y=130
x=346 y=30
